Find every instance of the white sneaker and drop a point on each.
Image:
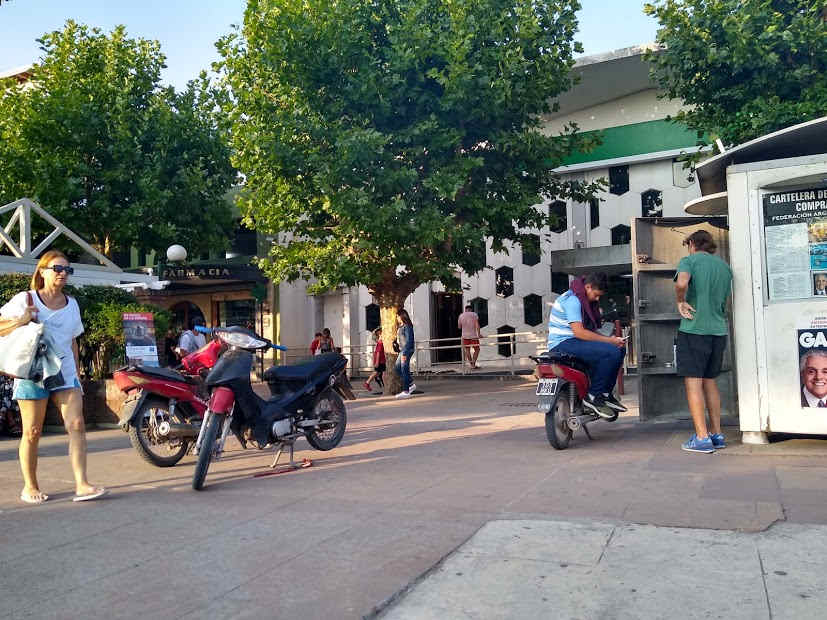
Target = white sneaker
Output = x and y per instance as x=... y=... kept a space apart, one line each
x=412 y=389
x=403 y=394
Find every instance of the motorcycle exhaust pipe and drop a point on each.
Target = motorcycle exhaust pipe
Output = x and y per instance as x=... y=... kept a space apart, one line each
x=177 y=431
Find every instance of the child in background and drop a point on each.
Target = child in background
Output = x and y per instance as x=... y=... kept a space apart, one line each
x=326 y=343
x=378 y=361
x=314 y=346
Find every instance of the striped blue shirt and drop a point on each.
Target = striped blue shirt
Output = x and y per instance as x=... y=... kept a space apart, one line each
x=565 y=310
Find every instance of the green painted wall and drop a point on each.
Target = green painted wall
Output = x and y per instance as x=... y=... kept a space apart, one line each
x=637 y=139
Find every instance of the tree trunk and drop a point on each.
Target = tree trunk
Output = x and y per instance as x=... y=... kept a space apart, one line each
x=387 y=317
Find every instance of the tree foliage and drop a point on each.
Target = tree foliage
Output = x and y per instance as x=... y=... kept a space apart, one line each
x=744 y=67
x=97 y=140
x=386 y=139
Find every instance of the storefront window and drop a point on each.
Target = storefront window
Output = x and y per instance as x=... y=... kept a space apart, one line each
x=795 y=234
x=238 y=312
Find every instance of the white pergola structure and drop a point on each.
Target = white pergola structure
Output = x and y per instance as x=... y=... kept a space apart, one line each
x=24 y=256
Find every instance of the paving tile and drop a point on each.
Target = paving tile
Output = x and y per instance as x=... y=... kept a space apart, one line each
x=755 y=486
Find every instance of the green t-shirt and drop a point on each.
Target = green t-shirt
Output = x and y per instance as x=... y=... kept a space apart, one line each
x=710 y=282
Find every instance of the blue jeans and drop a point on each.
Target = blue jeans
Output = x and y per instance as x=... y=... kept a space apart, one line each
x=604 y=361
x=403 y=369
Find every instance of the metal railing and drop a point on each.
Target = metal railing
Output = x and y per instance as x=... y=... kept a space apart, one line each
x=520 y=346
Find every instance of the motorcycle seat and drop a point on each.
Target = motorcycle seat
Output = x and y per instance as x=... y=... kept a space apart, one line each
x=164 y=373
x=301 y=372
x=564 y=359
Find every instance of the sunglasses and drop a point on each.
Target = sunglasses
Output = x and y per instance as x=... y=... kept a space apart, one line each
x=61 y=268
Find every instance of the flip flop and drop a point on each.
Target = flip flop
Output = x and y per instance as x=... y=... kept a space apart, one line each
x=33 y=499
x=99 y=492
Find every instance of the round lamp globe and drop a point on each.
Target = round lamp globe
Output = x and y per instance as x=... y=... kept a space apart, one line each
x=176 y=253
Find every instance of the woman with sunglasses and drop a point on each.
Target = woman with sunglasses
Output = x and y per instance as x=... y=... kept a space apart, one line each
x=46 y=303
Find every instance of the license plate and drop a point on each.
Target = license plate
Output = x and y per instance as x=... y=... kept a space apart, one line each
x=547 y=387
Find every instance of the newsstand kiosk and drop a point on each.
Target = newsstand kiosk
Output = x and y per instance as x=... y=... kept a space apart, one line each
x=774 y=192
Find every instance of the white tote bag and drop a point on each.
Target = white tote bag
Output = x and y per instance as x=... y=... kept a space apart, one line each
x=20 y=348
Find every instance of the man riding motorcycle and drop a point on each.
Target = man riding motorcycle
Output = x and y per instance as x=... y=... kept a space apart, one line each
x=572 y=328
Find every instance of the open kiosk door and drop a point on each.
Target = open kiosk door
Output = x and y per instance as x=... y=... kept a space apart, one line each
x=657 y=246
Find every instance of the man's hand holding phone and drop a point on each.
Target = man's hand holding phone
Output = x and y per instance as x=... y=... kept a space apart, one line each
x=618 y=341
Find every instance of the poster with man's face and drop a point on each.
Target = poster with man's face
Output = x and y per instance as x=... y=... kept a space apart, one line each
x=812 y=351
x=820 y=283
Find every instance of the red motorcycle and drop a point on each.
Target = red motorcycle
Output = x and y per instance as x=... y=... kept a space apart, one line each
x=563 y=382
x=164 y=408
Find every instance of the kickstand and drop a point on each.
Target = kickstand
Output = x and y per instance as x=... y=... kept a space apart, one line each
x=586 y=430
x=291 y=464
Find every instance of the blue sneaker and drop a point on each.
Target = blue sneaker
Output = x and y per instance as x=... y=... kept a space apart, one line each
x=698 y=445
x=718 y=440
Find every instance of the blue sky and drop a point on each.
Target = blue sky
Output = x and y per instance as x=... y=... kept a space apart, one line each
x=187 y=29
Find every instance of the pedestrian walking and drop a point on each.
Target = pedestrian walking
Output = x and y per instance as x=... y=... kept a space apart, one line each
x=314 y=345
x=48 y=304
x=702 y=285
x=170 y=343
x=469 y=324
x=326 y=343
x=405 y=340
x=379 y=366
x=192 y=340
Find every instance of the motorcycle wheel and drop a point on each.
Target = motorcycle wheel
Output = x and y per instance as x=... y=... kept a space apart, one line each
x=330 y=409
x=205 y=453
x=557 y=428
x=156 y=451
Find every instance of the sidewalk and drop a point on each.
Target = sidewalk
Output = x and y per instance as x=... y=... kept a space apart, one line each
x=561 y=569
x=411 y=483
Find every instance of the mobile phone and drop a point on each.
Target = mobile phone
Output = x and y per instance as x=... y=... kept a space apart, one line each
x=624 y=338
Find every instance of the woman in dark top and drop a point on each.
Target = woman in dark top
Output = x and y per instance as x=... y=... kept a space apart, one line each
x=405 y=338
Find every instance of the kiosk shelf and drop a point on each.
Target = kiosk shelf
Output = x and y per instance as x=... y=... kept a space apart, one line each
x=659 y=317
x=657 y=267
x=656 y=370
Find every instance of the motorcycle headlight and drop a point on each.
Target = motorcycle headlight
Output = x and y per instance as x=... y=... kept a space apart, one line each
x=243 y=341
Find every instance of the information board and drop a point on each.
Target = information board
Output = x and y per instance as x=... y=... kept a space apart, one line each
x=795 y=234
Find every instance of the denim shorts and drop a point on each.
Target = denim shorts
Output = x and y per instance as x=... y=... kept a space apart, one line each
x=29 y=390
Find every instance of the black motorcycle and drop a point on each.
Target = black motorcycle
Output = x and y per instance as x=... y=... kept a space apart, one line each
x=306 y=401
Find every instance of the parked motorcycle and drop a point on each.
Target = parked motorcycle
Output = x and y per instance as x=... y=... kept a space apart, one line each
x=306 y=401
x=563 y=382
x=164 y=407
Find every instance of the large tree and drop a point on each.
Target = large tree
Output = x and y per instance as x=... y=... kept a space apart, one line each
x=104 y=147
x=385 y=140
x=743 y=67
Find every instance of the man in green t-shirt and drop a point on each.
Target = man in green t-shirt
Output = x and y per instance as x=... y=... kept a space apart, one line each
x=702 y=284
